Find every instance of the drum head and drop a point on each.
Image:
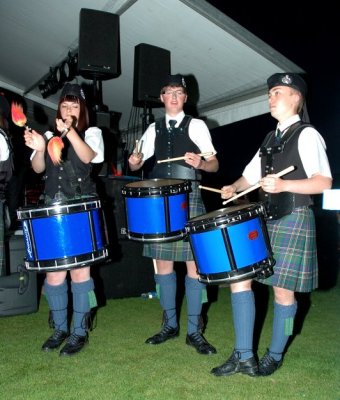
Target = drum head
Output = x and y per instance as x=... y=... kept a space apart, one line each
x=156 y=187
x=68 y=207
x=154 y=183
x=225 y=216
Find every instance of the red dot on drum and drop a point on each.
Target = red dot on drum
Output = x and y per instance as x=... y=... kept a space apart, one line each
x=184 y=205
x=253 y=235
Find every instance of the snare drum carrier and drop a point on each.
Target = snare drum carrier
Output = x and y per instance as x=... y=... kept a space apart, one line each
x=276 y=153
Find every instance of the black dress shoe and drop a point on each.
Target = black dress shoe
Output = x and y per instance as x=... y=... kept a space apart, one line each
x=234 y=365
x=267 y=365
x=74 y=344
x=166 y=333
x=55 y=340
x=200 y=343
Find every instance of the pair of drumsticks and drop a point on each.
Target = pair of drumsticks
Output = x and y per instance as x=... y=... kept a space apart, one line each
x=138 y=148
x=250 y=189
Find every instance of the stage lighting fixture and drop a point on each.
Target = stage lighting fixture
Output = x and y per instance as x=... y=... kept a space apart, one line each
x=67 y=70
x=62 y=73
x=50 y=85
x=72 y=66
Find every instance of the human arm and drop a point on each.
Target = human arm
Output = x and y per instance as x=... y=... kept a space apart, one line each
x=314 y=185
x=200 y=135
x=36 y=141
x=312 y=151
x=208 y=164
x=83 y=149
x=147 y=146
x=4 y=149
x=239 y=185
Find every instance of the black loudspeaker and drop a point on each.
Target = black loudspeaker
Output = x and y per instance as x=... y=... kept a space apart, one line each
x=19 y=289
x=99 y=45
x=128 y=274
x=151 y=66
x=114 y=205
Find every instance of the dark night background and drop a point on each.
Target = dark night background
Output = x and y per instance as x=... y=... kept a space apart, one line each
x=309 y=37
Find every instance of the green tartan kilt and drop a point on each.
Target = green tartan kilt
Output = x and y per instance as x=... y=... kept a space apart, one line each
x=179 y=250
x=293 y=241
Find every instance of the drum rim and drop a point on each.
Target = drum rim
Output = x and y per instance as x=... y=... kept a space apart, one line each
x=196 y=223
x=59 y=208
x=69 y=262
x=178 y=187
x=248 y=272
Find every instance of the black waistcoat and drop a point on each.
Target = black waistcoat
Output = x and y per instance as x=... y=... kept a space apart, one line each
x=72 y=177
x=276 y=157
x=174 y=144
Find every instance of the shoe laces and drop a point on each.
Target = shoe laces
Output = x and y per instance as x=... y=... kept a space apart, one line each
x=57 y=334
x=73 y=339
x=197 y=336
x=166 y=329
x=268 y=360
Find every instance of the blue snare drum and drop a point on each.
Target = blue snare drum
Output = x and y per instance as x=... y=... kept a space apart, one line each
x=231 y=244
x=157 y=209
x=64 y=236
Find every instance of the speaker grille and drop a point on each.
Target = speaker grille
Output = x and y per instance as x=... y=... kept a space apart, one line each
x=151 y=66
x=99 y=45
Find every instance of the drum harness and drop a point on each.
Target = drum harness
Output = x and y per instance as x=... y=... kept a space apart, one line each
x=281 y=204
x=179 y=169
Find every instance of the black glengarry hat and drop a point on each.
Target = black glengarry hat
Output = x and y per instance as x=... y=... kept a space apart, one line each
x=174 y=80
x=73 y=89
x=288 y=79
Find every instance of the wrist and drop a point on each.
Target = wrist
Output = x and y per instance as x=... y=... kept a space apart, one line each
x=64 y=132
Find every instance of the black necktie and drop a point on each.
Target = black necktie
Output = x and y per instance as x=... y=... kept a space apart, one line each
x=278 y=136
x=172 y=123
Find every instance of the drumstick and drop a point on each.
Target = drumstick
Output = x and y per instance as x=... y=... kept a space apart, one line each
x=257 y=185
x=138 y=150
x=210 y=153
x=135 y=151
x=140 y=147
x=210 y=188
x=155 y=265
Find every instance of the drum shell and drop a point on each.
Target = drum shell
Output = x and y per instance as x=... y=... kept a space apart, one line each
x=64 y=236
x=231 y=244
x=156 y=210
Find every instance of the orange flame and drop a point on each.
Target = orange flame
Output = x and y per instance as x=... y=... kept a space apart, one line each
x=54 y=148
x=18 y=116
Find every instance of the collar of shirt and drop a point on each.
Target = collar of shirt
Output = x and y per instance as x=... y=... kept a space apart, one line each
x=179 y=117
x=283 y=126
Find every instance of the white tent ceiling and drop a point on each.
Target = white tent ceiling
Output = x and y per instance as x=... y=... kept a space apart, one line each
x=230 y=64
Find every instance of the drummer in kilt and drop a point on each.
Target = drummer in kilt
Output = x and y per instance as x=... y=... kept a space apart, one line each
x=290 y=222
x=177 y=135
x=66 y=160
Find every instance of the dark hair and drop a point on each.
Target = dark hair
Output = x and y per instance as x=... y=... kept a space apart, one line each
x=3 y=123
x=83 y=121
x=174 y=85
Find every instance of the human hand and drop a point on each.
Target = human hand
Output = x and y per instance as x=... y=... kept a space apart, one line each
x=228 y=191
x=64 y=125
x=34 y=140
x=135 y=158
x=193 y=159
x=272 y=184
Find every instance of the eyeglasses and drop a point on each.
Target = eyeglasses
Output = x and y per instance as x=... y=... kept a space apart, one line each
x=174 y=93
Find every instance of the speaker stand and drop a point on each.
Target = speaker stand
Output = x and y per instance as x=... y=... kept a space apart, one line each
x=147 y=116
